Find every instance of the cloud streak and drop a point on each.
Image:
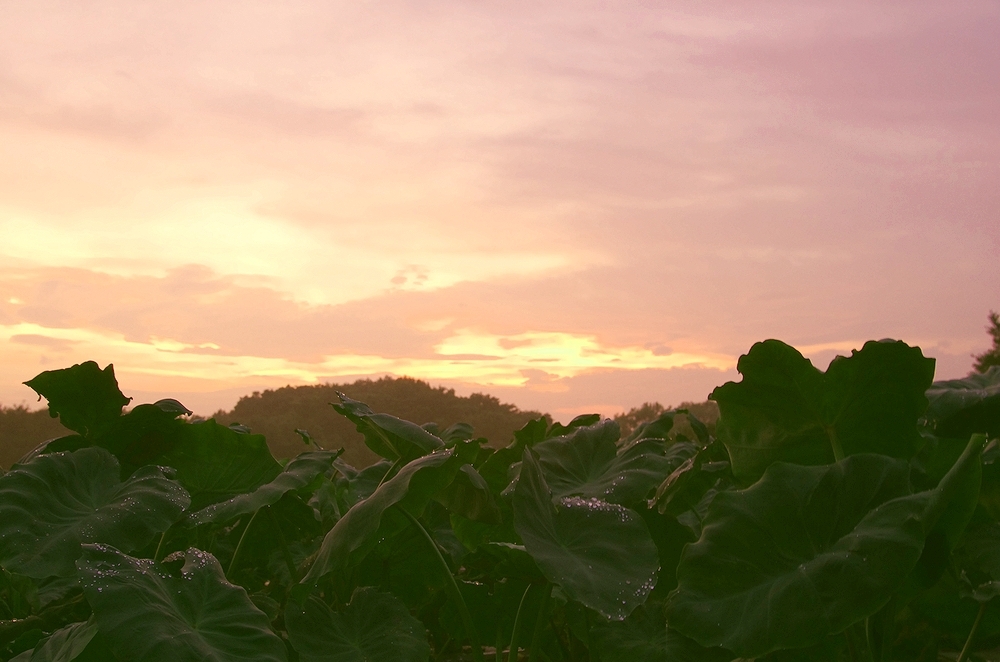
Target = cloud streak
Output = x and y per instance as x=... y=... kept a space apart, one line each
x=524 y=198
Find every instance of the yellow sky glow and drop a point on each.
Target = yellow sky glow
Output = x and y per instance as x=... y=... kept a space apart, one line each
x=572 y=204
x=467 y=356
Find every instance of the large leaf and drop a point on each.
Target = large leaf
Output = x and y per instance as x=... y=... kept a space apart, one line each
x=927 y=469
x=85 y=398
x=960 y=407
x=644 y=637
x=806 y=551
x=390 y=437
x=215 y=463
x=299 y=473
x=588 y=463
x=79 y=642
x=145 y=433
x=696 y=471
x=154 y=612
x=583 y=420
x=787 y=410
x=411 y=489
x=469 y=496
x=599 y=553
x=374 y=627
x=359 y=484
x=52 y=504
x=495 y=469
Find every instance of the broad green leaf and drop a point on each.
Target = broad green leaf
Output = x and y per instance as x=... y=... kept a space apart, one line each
x=470 y=496
x=85 y=398
x=644 y=637
x=79 y=641
x=495 y=469
x=359 y=484
x=787 y=410
x=299 y=473
x=658 y=428
x=374 y=627
x=451 y=434
x=588 y=463
x=72 y=442
x=927 y=469
x=599 y=553
x=136 y=438
x=143 y=434
x=404 y=565
x=388 y=436
x=19 y=596
x=51 y=505
x=581 y=421
x=960 y=407
x=670 y=537
x=159 y=612
x=695 y=472
x=831 y=649
x=989 y=493
x=215 y=463
x=952 y=611
x=492 y=612
x=980 y=551
x=806 y=551
x=978 y=558
x=412 y=488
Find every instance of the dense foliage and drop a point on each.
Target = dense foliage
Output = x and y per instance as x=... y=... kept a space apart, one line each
x=990 y=357
x=852 y=514
x=706 y=412
x=277 y=414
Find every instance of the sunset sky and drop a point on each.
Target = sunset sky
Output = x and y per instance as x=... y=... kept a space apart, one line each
x=573 y=206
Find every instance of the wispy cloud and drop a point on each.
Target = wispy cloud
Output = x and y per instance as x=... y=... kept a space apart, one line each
x=529 y=197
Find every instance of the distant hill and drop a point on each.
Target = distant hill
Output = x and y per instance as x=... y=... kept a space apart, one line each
x=21 y=429
x=277 y=413
x=707 y=412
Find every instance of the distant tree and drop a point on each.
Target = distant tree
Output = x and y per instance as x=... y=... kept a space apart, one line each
x=277 y=413
x=707 y=412
x=636 y=416
x=21 y=429
x=990 y=357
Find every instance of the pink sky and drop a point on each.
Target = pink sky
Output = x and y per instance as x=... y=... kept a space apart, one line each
x=573 y=206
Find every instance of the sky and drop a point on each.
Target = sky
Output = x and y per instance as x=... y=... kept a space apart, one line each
x=573 y=206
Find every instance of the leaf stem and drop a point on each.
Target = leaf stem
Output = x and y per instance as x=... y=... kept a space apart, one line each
x=389 y=473
x=239 y=545
x=50 y=618
x=456 y=594
x=838 y=451
x=972 y=633
x=886 y=621
x=857 y=641
x=284 y=544
x=158 y=554
x=543 y=612
x=951 y=481
x=514 y=643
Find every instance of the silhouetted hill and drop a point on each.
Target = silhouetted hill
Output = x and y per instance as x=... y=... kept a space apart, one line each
x=277 y=413
x=21 y=429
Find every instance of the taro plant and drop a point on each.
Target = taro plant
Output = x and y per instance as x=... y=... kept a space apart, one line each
x=851 y=514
